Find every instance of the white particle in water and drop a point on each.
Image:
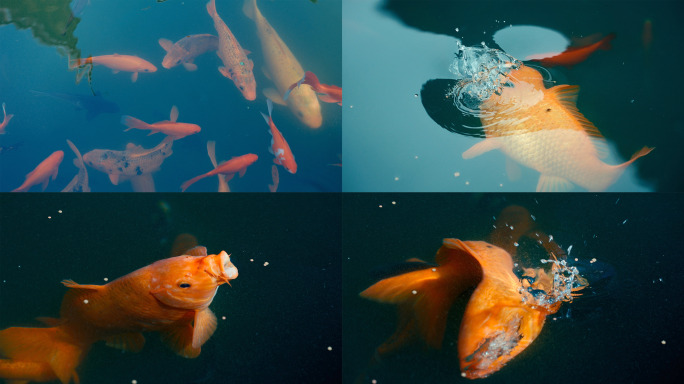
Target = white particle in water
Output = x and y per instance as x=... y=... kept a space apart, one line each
x=60 y=211
x=533 y=218
x=516 y=244
x=106 y=279
x=662 y=342
x=456 y=29
x=463 y=374
x=550 y=237
x=134 y=381
x=85 y=301
x=329 y=348
x=396 y=179
x=380 y=206
x=223 y=317
x=394 y=203
x=49 y=217
x=624 y=221
x=569 y=249
x=266 y=264
x=457 y=174
x=414 y=292
x=251 y=260
x=467 y=183
x=434 y=269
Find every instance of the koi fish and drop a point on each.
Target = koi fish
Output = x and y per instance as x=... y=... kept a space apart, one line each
x=326 y=93
x=575 y=55
x=275 y=177
x=170 y=296
x=211 y=151
x=80 y=182
x=236 y=65
x=229 y=168
x=543 y=129
x=117 y=63
x=135 y=163
x=42 y=173
x=185 y=50
x=5 y=120
x=279 y=147
x=501 y=318
x=283 y=69
x=170 y=127
x=93 y=105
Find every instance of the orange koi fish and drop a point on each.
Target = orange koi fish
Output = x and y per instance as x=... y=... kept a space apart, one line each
x=501 y=318
x=279 y=147
x=575 y=55
x=185 y=50
x=283 y=69
x=543 y=129
x=236 y=65
x=5 y=120
x=117 y=63
x=229 y=168
x=169 y=127
x=326 y=93
x=171 y=296
x=42 y=173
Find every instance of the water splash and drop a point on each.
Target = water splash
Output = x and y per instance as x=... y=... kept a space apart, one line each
x=480 y=71
x=549 y=288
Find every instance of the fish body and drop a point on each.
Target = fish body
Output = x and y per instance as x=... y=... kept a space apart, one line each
x=80 y=182
x=116 y=62
x=543 y=129
x=229 y=168
x=279 y=147
x=236 y=65
x=576 y=55
x=43 y=172
x=185 y=50
x=284 y=70
x=171 y=296
x=170 y=127
x=326 y=93
x=134 y=163
x=93 y=105
x=5 y=120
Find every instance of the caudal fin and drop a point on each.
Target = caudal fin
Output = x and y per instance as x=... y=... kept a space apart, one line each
x=131 y=122
x=39 y=354
x=605 y=42
x=249 y=8
x=192 y=181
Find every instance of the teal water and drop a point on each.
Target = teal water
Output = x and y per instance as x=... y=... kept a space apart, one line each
x=280 y=318
x=392 y=48
x=34 y=55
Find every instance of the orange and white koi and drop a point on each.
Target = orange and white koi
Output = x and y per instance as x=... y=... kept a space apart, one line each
x=169 y=127
x=229 y=168
x=5 y=120
x=117 y=63
x=326 y=93
x=42 y=173
x=279 y=147
x=236 y=65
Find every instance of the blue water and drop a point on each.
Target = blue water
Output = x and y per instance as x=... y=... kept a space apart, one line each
x=34 y=57
x=391 y=48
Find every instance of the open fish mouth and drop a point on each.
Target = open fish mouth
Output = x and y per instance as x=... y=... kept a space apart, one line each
x=222 y=270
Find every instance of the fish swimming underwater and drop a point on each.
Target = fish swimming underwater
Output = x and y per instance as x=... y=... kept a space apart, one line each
x=575 y=55
x=222 y=182
x=503 y=316
x=326 y=93
x=170 y=296
x=279 y=147
x=80 y=182
x=135 y=163
x=284 y=70
x=229 y=168
x=42 y=173
x=5 y=120
x=236 y=65
x=185 y=50
x=93 y=105
x=116 y=62
x=170 y=127
x=543 y=129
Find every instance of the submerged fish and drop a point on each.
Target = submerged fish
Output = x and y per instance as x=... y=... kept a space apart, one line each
x=42 y=173
x=5 y=120
x=170 y=127
x=236 y=65
x=279 y=147
x=543 y=129
x=185 y=50
x=284 y=70
x=116 y=62
x=326 y=93
x=80 y=182
x=229 y=168
x=94 y=105
x=135 y=163
x=575 y=55
x=222 y=182
x=171 y=296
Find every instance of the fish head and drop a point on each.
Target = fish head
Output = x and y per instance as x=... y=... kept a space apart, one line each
x=246 y=85
x=174 y=57
x=148 y=67
x=99 y=159
x=290 y=165
x=190 y=282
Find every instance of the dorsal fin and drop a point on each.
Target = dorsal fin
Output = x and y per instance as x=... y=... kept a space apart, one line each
x=199 y=250
x=567 y=96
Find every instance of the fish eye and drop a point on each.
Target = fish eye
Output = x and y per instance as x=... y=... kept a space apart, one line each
x=184 y=285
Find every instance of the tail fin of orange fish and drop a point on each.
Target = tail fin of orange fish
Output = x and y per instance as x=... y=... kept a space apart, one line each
x=39 y=354
x=605 y=42
x=131 y=122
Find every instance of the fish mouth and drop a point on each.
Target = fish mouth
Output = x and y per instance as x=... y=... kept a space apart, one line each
x=222 y=270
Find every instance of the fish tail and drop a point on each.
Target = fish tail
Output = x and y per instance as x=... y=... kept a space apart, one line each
x=192 y=181
x=131 y=122
x=211 y=8
x=640 y=153
x=52 y=354
x=605 y=43
x=249 y=8
x=311 y=79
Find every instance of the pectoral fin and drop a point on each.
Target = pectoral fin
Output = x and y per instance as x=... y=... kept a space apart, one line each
x=179 y=339
x=190 y=66
x=548 y=183
x=483 y=146
x=134 y=77
x=205 y=325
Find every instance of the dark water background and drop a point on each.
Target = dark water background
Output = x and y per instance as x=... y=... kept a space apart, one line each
x=613 y=337
x=280 y=318
x=33 y=56
x=393 y=47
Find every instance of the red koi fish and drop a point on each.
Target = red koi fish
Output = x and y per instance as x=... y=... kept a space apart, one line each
x=229 y=168
x=169 y=127
x=117 y=63
x=502 y=317
x=279 y=147
x=236 y=65
x=171 y=296
x=326 y=93
x=575 y=55
x=42 y=173
x=5 y=120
